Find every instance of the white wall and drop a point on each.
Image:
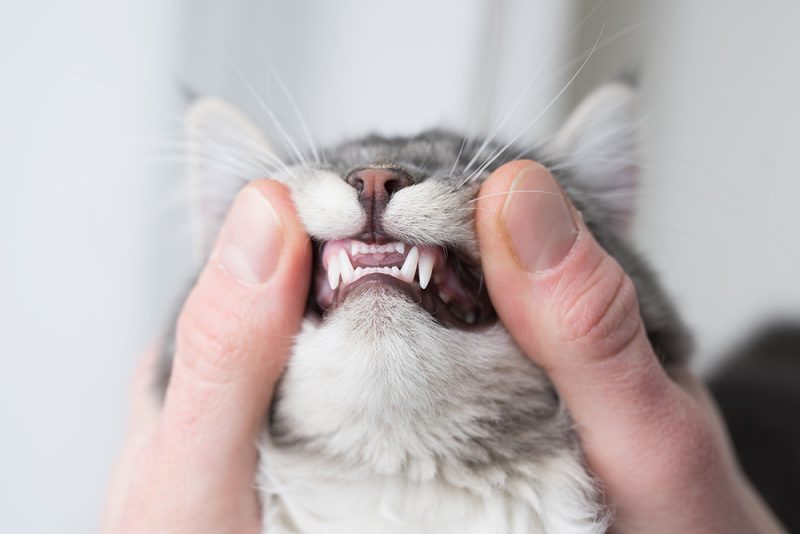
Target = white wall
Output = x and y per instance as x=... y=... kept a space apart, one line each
x=92 y=218
x=84 y=222
x=721 y=211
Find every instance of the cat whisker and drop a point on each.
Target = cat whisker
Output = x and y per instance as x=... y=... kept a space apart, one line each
x=286 y=139
x=292 y=104
x=557 y=43
x=536 y=118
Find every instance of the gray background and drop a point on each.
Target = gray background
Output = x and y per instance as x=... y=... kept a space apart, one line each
x=92 y=213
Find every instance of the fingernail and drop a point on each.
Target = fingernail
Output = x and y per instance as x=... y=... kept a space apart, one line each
x=251 y=238
x=538 y=219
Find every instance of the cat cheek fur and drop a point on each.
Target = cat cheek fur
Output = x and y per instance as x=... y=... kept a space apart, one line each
x=327 y=206
x=434 y=212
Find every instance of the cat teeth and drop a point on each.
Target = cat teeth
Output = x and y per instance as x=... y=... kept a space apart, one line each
x=426 y=260
x=342 y=272
x=346 y=267
x=410 y=265
x=364 y=271
x=334 y=270
x=362 y=248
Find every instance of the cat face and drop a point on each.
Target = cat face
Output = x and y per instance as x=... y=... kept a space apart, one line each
x=401 y=360
x=414 y=232
x=396 y=213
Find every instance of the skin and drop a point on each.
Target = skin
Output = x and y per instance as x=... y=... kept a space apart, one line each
x=656 y=444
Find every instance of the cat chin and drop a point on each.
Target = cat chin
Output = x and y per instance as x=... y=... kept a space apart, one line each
x=378 y=384
x=387 y=421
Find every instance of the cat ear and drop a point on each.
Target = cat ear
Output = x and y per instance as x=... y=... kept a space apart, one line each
x=225 y=150
x=598 y=146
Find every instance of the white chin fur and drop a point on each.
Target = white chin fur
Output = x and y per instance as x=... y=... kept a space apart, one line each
x=383 y=402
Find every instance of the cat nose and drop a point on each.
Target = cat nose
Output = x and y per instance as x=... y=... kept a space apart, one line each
x=378 y=185
x=375 y=187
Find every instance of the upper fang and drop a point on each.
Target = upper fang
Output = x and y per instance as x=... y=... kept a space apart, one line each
x=410 y=265
x=426 y=261
x=346 y=267
x=334 y=270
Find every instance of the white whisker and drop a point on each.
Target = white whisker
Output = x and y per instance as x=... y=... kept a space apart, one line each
x=536 y=118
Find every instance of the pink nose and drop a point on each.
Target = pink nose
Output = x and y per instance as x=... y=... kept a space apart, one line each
x=376 y=186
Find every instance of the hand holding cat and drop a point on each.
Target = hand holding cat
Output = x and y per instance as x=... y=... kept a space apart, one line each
x=657 y=447
x=656 y=444
x=189 y=466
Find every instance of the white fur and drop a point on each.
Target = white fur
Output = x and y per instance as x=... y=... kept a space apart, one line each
x=327 y=205
x=303 y=494
x=433 y=212
x=390 y=395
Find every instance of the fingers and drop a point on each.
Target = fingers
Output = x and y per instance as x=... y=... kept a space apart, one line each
x=573 y=310
x=570 y=306
x=234 y=335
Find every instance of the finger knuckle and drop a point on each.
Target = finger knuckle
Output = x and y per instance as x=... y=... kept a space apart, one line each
x=601 y=309
x=207 y=337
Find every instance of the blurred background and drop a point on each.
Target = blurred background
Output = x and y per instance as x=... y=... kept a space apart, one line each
x=93 y=214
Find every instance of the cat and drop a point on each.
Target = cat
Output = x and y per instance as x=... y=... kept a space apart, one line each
x=406 y=406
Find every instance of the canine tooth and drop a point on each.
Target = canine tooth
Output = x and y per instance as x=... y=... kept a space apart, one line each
x=426 y=260
x=400 y=247
x=410 y=265
x=334 y=270
x=345 y=266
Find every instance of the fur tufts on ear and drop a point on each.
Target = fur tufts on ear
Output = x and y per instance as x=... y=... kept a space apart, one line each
x=598 y=146
x=225 y=150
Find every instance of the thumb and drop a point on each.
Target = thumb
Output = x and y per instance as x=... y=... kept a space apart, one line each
x=572 y=309
x=233 y=337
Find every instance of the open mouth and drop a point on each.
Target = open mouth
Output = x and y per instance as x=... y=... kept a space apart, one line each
x=440 y=280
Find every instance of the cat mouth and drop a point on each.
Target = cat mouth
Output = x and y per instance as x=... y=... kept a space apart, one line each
x=439 y=279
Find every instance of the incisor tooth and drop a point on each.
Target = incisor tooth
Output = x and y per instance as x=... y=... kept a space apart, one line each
x=400 y=247
x=426 y=260
x=345 y=266
x=410 y=265
x=353 y=248
x=334 y=270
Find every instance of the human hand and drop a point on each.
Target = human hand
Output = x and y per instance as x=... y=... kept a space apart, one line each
x=189 y=465
x=657 y=446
